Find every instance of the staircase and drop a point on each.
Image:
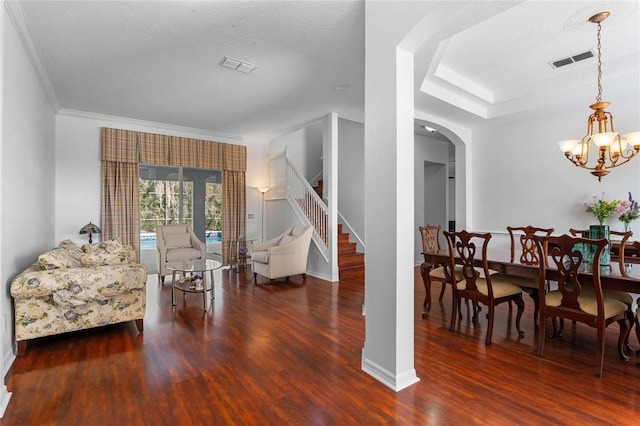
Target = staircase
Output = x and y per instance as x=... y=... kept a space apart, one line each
x=350 y=262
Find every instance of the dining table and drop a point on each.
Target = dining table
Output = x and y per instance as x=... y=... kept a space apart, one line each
x=611 y=276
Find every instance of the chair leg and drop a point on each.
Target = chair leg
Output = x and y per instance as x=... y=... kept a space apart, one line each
x=444 y=286
x=491 y=307
x=631 y=320
x=541 y=335
x=535 y=296
x=255 y=277
x=623 y=338
x=557 y=331
x=600 y=350
x=454 y=313
x=637 y=323
x=520 y=305
x=426 y=281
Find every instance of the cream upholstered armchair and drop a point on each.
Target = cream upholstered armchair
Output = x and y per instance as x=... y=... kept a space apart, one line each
x=177 y=243
x=284 y=255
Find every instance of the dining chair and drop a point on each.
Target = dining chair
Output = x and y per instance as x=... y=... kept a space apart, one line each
x=431 y=270
x=522 y=243
x=636 y=246
x=622 y=296
x=469 y=249
x=570 y=301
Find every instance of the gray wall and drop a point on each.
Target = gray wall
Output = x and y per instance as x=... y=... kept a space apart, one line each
x=351 y=175
x=431 y=157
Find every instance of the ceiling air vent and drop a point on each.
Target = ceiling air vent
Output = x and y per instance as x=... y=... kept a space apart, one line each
x=572 y=59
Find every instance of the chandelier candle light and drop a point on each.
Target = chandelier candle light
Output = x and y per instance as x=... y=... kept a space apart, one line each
x=613 y=150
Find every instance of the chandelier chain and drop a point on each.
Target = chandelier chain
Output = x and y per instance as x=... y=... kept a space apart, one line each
x=599 y=97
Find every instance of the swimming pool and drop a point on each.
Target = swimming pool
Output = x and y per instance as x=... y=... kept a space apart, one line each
x=148 y=240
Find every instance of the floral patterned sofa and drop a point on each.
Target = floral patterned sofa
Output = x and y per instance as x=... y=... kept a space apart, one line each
x=73 y=288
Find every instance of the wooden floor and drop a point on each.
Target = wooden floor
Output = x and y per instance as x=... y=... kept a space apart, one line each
x=290 y=353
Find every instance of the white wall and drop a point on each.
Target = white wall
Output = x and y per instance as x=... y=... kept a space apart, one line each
x=521 y=177
x=27 y=203
x=78 y=169
x=304 y=149
x=351 y=177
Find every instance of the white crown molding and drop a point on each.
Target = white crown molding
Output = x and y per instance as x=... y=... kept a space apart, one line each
x=16 y=14
x=218 y=136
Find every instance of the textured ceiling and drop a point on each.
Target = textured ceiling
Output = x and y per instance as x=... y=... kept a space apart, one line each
x=159 y=61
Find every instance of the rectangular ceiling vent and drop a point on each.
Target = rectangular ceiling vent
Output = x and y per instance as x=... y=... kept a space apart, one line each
x=237 y=64
x=572 y=59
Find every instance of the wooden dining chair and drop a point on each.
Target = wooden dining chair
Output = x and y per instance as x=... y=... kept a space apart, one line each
x=477 y=284
x=430 y=269
x=570 y=301
x=636 y=321
x=522 y=244
x=622 y=296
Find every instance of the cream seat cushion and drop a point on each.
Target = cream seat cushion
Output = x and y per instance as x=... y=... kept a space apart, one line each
x=519 y=281
x=440 y=274
x=623 y=297
x=588 y=303
x=500 y=288
x=182 y=254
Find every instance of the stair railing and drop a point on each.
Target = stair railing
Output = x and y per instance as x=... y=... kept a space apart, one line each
x=285 y=181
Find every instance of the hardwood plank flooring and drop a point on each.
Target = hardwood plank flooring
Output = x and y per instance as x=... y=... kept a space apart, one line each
x=290 y=354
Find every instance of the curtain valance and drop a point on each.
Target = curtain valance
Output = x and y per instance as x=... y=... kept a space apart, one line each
x=129 y=146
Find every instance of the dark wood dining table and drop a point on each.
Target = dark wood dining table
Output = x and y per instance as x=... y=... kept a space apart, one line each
x=611 y=277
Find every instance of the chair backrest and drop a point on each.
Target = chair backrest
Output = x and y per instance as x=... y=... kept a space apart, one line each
x=171 y=236
x=579 y=232
x=430 y=238
x=622 y=247
x=565 y=262
x=529 y=253
x=467 y=249
x=623 y=243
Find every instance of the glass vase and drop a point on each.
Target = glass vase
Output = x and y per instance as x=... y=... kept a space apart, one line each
x=597 y=232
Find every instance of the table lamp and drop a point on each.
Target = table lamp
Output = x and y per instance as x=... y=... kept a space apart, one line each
x=90 y=229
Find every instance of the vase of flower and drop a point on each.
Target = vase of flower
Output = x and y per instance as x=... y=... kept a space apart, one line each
x=629 y=211
x=602 y=209
x=597 y=232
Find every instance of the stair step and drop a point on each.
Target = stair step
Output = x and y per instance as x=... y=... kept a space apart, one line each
x=351 y=260
x=356 y=273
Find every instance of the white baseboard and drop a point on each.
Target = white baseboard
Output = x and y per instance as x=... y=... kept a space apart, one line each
x=4 y=400
x=386 y=377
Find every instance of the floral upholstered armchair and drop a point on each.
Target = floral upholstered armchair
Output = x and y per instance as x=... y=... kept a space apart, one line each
x=72 y=288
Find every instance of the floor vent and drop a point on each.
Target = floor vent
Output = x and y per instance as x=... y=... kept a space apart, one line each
x=572 y=59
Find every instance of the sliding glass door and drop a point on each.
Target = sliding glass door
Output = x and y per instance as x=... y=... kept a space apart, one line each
x=173 y=195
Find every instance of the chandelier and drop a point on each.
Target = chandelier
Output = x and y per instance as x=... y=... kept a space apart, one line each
x=613 y=150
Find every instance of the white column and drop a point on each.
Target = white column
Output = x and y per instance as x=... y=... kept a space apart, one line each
x=5 y=333
x=388 y=353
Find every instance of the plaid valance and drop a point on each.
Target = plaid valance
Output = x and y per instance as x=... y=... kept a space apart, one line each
x=128 y=146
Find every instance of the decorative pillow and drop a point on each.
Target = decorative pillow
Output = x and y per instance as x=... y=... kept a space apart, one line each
x=71 y=247
x=297 y=230
x=286 y=239
x=110 y=252
x=58 y=258
x=172 y=241
x=99 y=259
x=111 y=246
